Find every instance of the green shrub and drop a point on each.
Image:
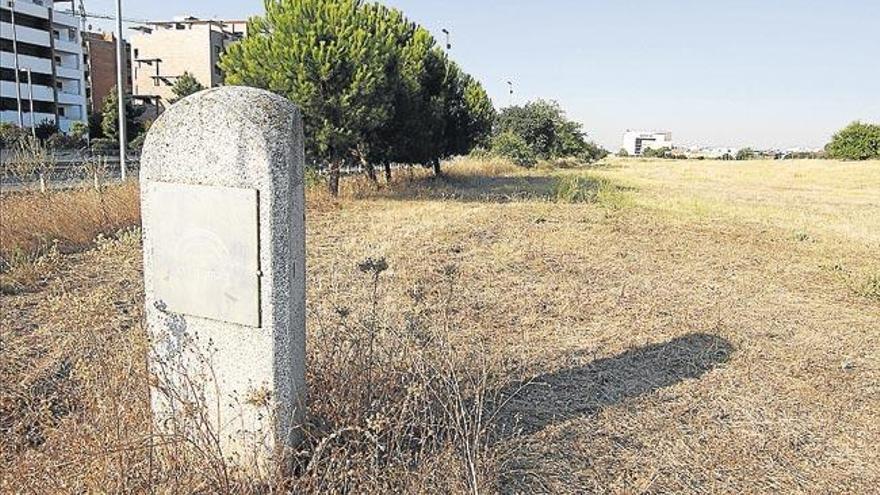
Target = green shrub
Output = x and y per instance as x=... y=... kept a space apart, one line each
x=745 y=154
x=61 y=141
x=104 y=144
x=11 y=134
x=576 y=189
x=137 y=143
x=511 y=146
x=586 y=189
x=46 y=129
x=664 y=152
x=857 y=141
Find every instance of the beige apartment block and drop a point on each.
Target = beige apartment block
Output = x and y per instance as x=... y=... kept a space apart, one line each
x=163 y=51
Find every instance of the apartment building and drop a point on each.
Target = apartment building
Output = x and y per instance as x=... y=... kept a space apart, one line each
x=47 y=41
x=635 y=142
x=163 y=51
x=100 y=60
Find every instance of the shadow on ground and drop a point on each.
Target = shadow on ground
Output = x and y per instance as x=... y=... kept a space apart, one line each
x=583 y=391
x=496 y=189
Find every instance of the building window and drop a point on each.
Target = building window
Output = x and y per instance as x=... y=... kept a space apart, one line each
x=57 y=59
x=56 y=34
x=22 y=19
x=26 y=48
x=135 y=53
x=61 y=111
x=59 y=85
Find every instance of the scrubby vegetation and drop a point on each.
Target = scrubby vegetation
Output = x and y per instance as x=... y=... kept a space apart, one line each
x=502 y=329
x=857 y=141
x=540 y=130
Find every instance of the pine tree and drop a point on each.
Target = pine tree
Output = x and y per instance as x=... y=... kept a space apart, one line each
x=371 y=85
x=110 y=118
x=185 y=85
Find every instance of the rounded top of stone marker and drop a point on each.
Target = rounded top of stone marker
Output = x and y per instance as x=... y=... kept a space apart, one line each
x=218 y=128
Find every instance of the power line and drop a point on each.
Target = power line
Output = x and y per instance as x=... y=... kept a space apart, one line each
x=93 y=15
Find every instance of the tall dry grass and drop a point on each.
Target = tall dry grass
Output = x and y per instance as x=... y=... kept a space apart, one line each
x=71 y=218
x=398 y=402
x=431 y=301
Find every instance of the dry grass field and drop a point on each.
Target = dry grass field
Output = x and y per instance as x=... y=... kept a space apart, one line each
x=636 y=326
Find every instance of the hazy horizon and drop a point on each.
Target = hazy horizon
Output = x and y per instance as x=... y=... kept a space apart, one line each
x=746 y=74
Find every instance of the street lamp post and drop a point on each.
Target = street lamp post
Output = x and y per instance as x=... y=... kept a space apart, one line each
x=510 y=87
x=31 y=99
x=120 y=88
x=448 y=43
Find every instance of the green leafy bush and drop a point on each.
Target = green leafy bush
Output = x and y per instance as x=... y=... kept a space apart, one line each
x=104 y=144
x=61 y=141
x=11 y=134
x=545 y=128
x=46 y=129
x=745 y=154
x=857 y=141
x=513 y=147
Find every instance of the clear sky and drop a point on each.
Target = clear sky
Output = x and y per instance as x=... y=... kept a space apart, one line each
x=765 y=73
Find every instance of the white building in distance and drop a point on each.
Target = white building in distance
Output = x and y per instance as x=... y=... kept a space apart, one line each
x=635 y=142
x=47 y=41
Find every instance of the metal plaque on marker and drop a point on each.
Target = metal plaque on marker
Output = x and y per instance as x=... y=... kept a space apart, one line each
x=206 y=251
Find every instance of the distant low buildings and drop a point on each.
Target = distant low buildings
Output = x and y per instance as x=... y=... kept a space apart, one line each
x=636 y=142
x=163 y=51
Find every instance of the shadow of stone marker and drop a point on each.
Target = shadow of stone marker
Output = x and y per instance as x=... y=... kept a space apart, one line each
x=224 y=264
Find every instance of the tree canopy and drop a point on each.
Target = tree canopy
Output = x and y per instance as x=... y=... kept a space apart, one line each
x=544 y=127
x=110 y=118
x=857 y=141
x=185 y=85
x=372 y=86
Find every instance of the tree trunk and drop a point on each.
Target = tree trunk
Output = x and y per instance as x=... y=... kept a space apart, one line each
x=371 y=172
x=333 y=180
x=388 y=172
x=367 y=166
x=435 y=166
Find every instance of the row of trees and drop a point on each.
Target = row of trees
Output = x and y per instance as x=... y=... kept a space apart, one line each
x=540 y=130
x=373 y=87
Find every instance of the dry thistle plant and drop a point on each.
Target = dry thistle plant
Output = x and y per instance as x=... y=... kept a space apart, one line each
x=31 y=160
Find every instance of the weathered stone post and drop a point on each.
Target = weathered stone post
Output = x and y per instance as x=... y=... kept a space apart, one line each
x=224 y=264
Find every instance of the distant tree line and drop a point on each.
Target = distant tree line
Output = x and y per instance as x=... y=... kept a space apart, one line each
x=373 y=87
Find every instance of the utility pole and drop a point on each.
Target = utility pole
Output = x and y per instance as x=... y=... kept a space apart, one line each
x=31 y=98
x=15 y=56
x=120 y=87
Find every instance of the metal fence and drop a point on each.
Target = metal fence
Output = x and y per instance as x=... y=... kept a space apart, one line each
x=71 y=168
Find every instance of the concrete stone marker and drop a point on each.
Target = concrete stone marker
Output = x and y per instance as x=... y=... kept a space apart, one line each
x=224 y=264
